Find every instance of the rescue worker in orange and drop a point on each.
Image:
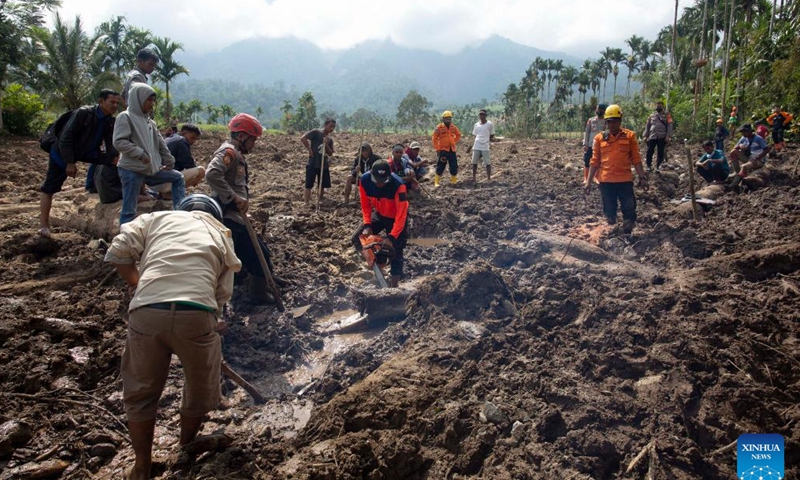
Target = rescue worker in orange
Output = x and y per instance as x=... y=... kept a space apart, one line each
x=779 y=121
x=615 y=150
x=445 y=138
x=384 y=206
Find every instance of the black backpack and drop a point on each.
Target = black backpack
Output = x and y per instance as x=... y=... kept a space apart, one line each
x=51 y=133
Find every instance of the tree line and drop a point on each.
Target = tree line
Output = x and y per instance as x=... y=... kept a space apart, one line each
x=716 y=54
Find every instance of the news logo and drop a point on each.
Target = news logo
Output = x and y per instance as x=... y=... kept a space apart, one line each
x=759 y=456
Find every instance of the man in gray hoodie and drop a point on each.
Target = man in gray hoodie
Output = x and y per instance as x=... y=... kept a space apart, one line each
x=144 y=157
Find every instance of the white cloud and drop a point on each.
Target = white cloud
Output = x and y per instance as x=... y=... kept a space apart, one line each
x=578 y=27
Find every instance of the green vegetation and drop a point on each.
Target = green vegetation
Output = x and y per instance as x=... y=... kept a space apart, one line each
x=718 y=54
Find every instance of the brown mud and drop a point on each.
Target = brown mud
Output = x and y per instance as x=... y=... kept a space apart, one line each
x=537 y=341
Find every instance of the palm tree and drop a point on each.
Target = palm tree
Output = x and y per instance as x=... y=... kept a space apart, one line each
x=135 y=40
x=112 y=34
x=169 y=68
x=631 y=62
x=616 y=58
x=605 y=62
x=70 y=68
x=635 y=44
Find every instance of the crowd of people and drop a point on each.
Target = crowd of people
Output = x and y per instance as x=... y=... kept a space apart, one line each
x=207 y=240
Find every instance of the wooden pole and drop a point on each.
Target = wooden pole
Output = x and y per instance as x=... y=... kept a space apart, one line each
x=691 y=179
x=249 y=388
x=263 y=261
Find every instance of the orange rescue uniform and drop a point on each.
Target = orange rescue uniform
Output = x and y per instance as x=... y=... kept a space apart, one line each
x=614 y=155
x=445 y=138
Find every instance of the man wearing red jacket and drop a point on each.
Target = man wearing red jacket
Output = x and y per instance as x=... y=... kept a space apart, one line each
x=384 y=207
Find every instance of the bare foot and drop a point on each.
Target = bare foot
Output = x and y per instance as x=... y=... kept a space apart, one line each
x=45 y=232
x=137 y=474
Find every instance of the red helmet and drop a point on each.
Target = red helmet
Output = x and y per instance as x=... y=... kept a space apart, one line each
x=248 y=124
x=762 y=131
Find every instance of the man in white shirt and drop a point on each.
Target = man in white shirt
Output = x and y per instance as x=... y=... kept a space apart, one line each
x=186 y=262
x=484 y=133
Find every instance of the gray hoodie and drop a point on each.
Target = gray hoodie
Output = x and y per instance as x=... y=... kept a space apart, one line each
x=136 y=136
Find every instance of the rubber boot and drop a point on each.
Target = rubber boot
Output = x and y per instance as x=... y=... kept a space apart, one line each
x=436 y=179
x=627 y=226
x=453 y=179
x=257 y=287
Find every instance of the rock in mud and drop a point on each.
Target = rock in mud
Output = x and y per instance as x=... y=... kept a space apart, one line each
x=103 y=450
x=13 y=434
x=491 y=413
x=30 y=471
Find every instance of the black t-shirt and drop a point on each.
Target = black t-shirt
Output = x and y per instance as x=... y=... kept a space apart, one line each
x=315 y=137
x=365 y=165
x=179 y=148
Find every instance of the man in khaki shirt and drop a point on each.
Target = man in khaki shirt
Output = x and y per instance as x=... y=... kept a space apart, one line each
x=185 y=275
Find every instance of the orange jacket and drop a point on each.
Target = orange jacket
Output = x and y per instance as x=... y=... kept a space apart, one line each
x=787 y=117
x=389 y=201
x=615 y=155
x=446 y=138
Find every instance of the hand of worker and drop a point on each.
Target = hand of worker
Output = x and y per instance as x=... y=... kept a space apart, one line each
x=644 y=183
x=366 y=230
x=146 y=159
x=166 y=167
x=222 y=327
x=387 y=242
x=585 y=149
x=72 y=170
x=115 y=161
x=587 y=186
x=241 y=204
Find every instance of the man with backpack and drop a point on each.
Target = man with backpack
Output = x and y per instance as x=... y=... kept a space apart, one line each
x=77 y=136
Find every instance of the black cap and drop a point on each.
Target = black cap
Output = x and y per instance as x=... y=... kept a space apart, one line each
x=380 y=171
x=746 y=128
x=482 y=111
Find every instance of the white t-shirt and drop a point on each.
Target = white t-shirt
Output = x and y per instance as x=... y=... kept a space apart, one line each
x=482 y=132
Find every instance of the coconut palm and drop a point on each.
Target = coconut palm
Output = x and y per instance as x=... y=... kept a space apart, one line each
x=605 y=62
x=70 y=68
x=112 y=36
x=633 y=64
x=615 y=58
x=169 y=68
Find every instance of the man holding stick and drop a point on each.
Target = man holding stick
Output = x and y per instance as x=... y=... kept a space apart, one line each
x=318 y=159
x=184 y=277
x=227 y=176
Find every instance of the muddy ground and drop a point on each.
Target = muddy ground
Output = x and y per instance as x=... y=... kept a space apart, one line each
x=538 y=342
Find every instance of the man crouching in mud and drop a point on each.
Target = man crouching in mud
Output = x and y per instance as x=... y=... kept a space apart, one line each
x=185 y=275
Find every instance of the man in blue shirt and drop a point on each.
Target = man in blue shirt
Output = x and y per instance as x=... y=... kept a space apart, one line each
x=87 y=129
x=713 y=166
x=750 y=152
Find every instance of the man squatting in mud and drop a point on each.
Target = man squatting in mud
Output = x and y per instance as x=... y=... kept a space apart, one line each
x=185 y=275
x=384 y=206
x=615 y=150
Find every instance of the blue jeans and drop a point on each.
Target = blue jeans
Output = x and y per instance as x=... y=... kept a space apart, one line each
x=132 y=184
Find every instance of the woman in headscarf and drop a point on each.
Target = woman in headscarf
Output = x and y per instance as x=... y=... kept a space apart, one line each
x=144 y=157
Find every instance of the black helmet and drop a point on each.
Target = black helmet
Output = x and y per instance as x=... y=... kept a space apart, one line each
x=203 y=203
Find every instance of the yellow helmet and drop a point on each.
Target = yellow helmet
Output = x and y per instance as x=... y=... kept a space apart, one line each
x=613 y=111
x=447 y=113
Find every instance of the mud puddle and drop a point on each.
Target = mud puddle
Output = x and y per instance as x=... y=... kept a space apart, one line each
x=293 y=410
x=427 y=241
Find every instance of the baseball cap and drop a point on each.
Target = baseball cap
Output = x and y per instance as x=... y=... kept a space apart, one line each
x=414 y=145
x=482 y=110
x=746 y=128
x=380 y=171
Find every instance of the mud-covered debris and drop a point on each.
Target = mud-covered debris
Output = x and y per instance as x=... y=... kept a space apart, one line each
x=13 y=434
x=472 y=330
x=33 y=470
x=103 y=450
x=208 y=443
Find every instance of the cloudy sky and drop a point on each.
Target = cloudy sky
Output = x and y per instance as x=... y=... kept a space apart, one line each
x=577 y=27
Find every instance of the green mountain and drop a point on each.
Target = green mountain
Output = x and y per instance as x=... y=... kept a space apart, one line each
x=374 y=74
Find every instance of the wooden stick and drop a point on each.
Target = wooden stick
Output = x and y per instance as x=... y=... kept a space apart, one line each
x=638 y=458
x=691 y=181
x=257 y=397
x=263 y=262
